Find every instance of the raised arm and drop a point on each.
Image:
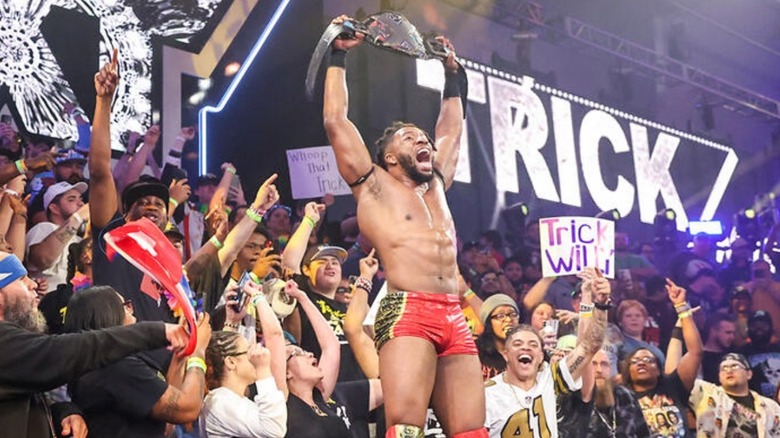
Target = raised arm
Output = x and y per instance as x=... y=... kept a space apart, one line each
x=361 y=344
x=595 y=292
x=352 y=157
x=103 y=195
x=450 y=122
x=17 y=207
x=44 y=254
x=273 y=337
x=137 y=163
x=538 y=291
x=41 y=163
x=266 y=196
x=691 y=361
x=299 y=241
x=182 y=404
x=329 y=343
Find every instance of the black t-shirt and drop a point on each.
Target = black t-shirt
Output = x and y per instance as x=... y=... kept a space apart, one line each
x=125 y=278
x=664 y=406
x=573 y=414
x=334 y=312
x=117 y=400
x=743 y=421
x=346 y=413
x=710 y=366
x=765 y=365
x=53 y=306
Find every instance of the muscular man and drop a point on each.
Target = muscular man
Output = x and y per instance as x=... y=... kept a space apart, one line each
x=426 y=352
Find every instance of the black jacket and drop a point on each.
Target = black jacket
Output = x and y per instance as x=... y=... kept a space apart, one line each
x=31 y=363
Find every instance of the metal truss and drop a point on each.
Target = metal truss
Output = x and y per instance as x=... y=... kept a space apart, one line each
x=718 y=92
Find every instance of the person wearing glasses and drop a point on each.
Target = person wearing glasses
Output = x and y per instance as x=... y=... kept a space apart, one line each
x=131 y=398
x=666 y=392
x=238 y=367
x=317 y=406
x=731 y=409
x=499 y=314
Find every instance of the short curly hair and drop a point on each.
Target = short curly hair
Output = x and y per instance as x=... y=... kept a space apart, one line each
x=387 y=135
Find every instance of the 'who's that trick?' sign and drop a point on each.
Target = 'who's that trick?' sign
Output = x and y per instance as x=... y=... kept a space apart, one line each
x=569 y=244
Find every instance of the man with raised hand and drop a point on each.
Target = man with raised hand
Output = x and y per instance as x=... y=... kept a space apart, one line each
x=426 y=351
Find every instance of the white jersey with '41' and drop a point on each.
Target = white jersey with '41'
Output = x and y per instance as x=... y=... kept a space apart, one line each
x=515 y=413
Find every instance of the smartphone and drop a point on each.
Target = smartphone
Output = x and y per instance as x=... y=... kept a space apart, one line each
x=7 y=119
x=239 y=298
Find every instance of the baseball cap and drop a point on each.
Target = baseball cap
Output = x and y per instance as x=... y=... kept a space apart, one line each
x=493 y=302
x=470 y=245
x=740 y=292
x=759 y=315
x=738 y=358
x=55 y=190
x=567 y=342
x=696 y=269
x=146 y=186
x=71 y=155
x=320 y=251
x=208 y=179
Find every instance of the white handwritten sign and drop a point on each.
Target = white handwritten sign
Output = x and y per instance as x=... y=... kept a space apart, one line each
x=313 y=173
x=571 y=243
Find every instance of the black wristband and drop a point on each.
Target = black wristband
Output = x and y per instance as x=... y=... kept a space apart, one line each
x=451 y=84
x=605 y=306
x=677 y=333
x=337 y=58
x=174 y=154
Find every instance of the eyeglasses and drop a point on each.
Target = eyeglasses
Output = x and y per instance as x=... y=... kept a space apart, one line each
x=297 y=352
x=644 y=359
x=505 y=316
x=731 y=367
x=236 y=354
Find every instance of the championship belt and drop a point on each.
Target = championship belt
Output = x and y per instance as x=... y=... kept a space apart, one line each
x=388 y=31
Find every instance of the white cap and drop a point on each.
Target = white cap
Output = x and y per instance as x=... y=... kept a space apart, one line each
x=61 y=187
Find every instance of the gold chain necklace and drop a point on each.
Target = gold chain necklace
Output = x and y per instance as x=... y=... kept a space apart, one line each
x=527 y=398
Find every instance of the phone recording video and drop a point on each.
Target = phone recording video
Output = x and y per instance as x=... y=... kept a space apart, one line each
x=239 y=300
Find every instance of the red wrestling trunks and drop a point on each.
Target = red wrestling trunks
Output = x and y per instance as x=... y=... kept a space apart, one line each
x=437 y=318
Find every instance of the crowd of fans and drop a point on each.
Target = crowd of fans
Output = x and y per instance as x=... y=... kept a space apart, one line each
x=686 y=346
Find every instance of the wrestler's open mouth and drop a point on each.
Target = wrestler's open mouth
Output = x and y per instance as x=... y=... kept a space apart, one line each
x=525 y=359
x=423 y=155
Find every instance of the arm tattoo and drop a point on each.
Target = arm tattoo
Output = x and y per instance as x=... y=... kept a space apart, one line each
x=171 y=404
x=576 y=363
x=65 y=233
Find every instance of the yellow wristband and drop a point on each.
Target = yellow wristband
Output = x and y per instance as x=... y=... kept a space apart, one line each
x=196 y=362
x=468 y=293
x=586 y=314
x=216 y=242
x=685 y=314
x=255 y=216
x=309 y=221
x=174 y=202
